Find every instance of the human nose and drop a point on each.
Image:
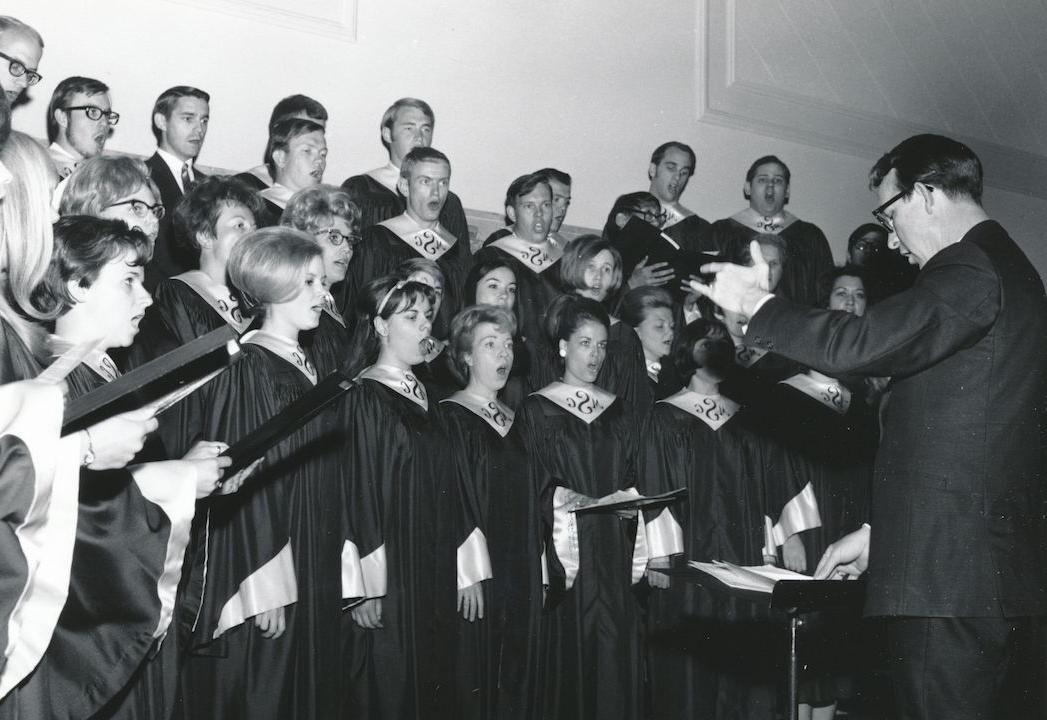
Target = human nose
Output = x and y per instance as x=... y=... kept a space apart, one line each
x=144 y=298
x=892 y=240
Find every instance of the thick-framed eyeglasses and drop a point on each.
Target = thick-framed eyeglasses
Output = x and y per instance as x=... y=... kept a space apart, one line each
x=17 y=68
x=654 y=218
x=336 y=237
x=881 y=215
x=140 y=208
x=93 y=112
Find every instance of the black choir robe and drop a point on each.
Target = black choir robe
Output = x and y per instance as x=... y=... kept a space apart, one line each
x=592 y=653
x=328 y=343
x=401 y=516
x=711 y=655
x=278 y=535
x=377 y=203
x=809 y=256
x=498 y=657
x=692 y=233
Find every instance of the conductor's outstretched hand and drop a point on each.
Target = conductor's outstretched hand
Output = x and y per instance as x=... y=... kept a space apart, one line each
x=736 y=287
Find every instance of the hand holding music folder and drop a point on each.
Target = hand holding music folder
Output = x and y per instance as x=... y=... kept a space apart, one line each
x=254 y=445
x=165 y=380
x=619 y=501
x=639 y=239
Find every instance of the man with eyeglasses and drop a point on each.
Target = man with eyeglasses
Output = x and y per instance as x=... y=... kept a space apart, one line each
x=79 y=121
x=953 y=553
x=671 y=168
x=21 y=47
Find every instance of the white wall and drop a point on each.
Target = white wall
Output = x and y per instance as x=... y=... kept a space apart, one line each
x=590 y=86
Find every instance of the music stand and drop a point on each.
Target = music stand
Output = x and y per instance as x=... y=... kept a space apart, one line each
x=793 y=597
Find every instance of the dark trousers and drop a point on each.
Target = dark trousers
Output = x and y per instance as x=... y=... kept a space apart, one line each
x=958 y=668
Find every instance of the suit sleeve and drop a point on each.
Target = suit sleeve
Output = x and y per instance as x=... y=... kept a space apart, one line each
x=952 y=305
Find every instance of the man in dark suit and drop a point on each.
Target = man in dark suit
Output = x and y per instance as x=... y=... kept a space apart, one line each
x=956 y=562
x=180 y=117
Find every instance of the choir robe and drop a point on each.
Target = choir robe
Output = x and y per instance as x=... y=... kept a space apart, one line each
x=690 y=231
x=592 y=654
x=327 y=344
x=401 y=519
x=711 y=655
x=809 y=257
x=282 y=526
x=497 y=657
x=111 y=655
x=537 y=285
x=436 y=374
x=387 y=245
x=378 y=202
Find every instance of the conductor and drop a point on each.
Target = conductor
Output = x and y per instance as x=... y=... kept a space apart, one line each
x=955 y=561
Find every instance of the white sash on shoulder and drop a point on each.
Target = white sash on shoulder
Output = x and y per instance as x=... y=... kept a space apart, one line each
x=95 y=358
x=674 y=213
x=537 y=258
x=493 y=412
x=218 y=297
x=586 y=404
x=290 y=351
x=713 y=410
x=402 y=381
x=773 y=224
x=330 y=310
x=386 y=176
x=429 y=243
x=825 y=390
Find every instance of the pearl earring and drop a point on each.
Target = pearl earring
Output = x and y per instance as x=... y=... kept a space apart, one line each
x=563 y=353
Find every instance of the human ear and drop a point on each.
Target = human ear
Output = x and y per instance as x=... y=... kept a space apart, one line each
x=381 y=327
x=510 y=212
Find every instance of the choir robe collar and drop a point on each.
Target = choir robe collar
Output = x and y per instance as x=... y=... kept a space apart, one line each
x=97 y=360
x=434 y=348
x=586 y=404
x=386 y=176
x=822 y=388
x=493 y=412
x=330 y=309
x=536 y=258
x=219 y=297
x=675 y=213
x=284 y=348
x=277 y=194
x=762 y=223
x=713 y=410
x=654 y=369
x=403 y=382
x=431 y=243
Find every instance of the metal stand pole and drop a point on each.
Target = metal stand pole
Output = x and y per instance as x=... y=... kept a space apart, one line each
x=794 y=669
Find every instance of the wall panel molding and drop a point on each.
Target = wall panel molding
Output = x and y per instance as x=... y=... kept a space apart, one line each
x=726 y=99
x=331 y=18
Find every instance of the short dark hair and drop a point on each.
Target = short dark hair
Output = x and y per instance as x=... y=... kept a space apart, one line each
x=381 y=297
x=863 y=230
x=292 y=105
x=484 y=261
x=164 y=104
x=522 y=186
x=682 y=354
x=197 y=212
x=83 y=246
x=577 y=256
x=828 y=279
x=553 y=174
x=463 y=332
x=661 y=150
x=420 y=155
x=630 y=202
x=64 y=91
x=567 y=313
x=935 y=160
x=283 y=132
x=639 y=301
x=766 y=160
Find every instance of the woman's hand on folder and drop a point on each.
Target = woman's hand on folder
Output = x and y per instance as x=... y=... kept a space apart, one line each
x=206 y=457
x=656 y=274
x=115 y=442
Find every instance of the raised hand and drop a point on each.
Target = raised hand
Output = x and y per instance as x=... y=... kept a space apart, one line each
x=736 y=287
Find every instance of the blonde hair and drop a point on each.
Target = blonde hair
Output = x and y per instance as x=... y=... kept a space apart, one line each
x=267 y=265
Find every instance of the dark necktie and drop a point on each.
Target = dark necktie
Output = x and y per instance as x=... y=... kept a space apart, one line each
x=187 y=181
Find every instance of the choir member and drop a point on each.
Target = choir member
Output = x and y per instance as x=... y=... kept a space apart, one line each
x=649 y=312
x=499 y=573
x=425 y=178
x=113 y=655
x=886 y=272
x=767 y=190
x=331 y=218
x=645 y=206
x=292 y=106
x=528 y=214
x=435 y=370
x=560 y=184
x=266 y=643
x=80 y=119
x=22 y=47
x=407 y=124
x=296 y=156
x=401 y=511
x=709 y=654
x=671 y=168
x=582 y=444
x=180 y=118
x=492 y=281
